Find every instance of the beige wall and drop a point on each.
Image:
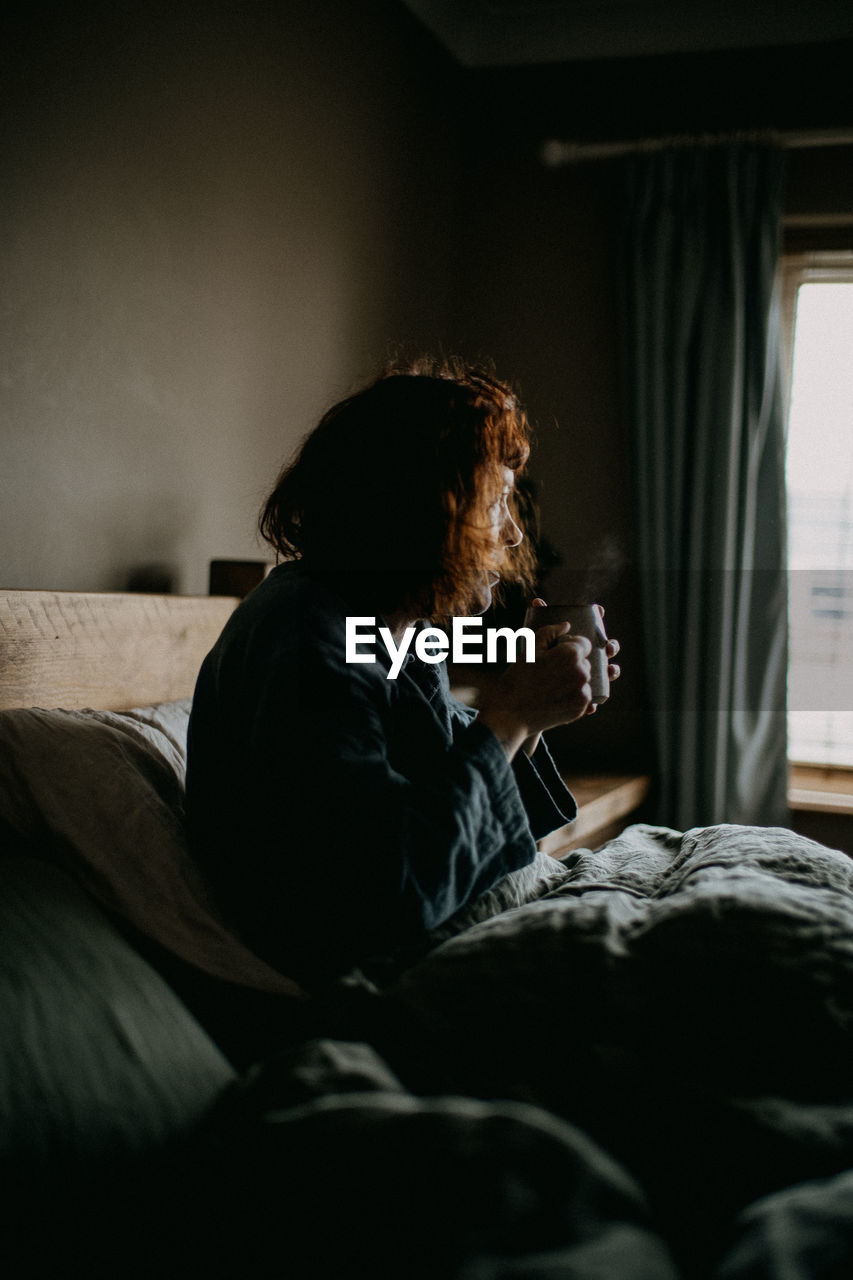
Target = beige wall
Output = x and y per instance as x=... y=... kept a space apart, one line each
x=214 y=220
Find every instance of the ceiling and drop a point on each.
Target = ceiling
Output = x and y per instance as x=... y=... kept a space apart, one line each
x=501 y=33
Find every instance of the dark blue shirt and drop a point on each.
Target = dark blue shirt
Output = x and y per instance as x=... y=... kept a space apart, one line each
x=339 y=815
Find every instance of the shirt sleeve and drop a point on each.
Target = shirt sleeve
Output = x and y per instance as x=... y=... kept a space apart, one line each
x=359 y=826
x=433 y=823
x=547 y=800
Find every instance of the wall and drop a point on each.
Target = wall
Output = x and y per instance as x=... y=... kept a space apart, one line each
x=214 y=220
x=539 y=296
x=540 y=288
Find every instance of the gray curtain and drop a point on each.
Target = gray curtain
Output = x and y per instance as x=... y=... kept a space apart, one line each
x=707 y=426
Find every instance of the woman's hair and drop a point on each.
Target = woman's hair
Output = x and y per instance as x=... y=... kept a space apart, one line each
x=392 y=491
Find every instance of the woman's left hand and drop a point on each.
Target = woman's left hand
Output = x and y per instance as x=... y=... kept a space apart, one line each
x=612 y=647
x=614 y=671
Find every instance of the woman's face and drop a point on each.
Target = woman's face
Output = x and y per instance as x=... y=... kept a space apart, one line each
x=503 y=533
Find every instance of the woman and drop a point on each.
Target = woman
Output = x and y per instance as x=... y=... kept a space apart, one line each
x=338 y=814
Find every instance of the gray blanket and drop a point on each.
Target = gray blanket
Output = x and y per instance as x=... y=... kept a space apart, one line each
x=634 y=1066
x=684 y=999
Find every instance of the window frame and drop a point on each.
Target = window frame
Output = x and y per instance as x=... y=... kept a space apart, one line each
x=811 y=787
x=833 y=265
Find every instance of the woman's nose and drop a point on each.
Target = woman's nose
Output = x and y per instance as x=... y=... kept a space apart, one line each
x=512 y=534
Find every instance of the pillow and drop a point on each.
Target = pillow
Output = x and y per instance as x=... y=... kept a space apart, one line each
x=103 y=791
x=98 y=1056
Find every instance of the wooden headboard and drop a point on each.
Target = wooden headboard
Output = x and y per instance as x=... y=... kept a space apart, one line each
x=109 y=651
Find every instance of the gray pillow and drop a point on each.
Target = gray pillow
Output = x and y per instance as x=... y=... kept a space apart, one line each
x=97 y=1056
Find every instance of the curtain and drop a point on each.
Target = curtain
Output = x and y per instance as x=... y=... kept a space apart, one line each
x=707 y=426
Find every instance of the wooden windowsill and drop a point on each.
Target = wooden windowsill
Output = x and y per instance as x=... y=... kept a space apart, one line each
x=820 y=788
x=606 y=802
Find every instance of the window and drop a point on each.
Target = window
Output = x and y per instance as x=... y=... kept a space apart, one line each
x=819 y=296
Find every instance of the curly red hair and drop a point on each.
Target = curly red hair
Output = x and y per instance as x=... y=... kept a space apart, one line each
x=391 y=494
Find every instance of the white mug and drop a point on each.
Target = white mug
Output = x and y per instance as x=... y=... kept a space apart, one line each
x=586 y=620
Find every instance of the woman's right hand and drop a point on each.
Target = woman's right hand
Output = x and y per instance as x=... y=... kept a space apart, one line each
x=529 y=697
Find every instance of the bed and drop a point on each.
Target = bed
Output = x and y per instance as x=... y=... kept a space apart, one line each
x=636 y=1062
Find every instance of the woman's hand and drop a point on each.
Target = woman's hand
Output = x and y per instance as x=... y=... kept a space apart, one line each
x=530 y=697
x=612 y=647
x=613 y=670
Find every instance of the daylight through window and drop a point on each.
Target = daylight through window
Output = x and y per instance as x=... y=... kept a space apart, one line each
x=820 y=506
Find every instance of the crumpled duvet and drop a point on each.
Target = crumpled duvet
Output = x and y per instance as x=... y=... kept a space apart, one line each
x=687 y=1001
x=635 y=1065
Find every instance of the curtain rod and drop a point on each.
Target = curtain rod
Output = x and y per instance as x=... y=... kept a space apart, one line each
x=555 y=153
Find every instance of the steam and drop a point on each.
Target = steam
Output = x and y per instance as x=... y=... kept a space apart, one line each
x=591 y=582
